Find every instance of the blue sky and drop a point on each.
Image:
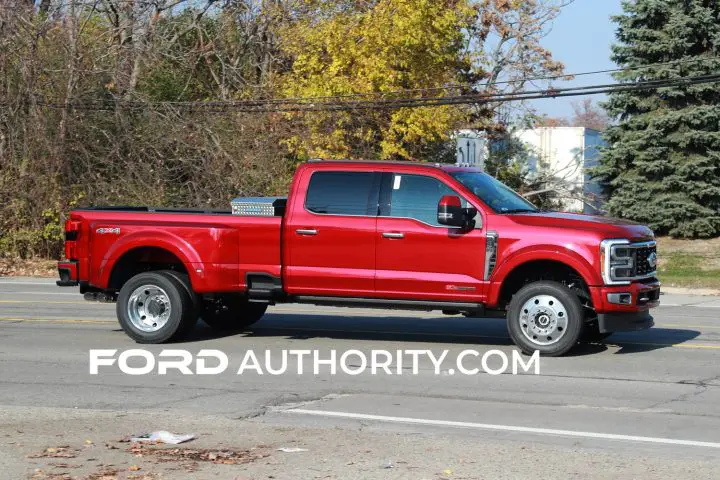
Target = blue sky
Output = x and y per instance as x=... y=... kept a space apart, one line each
x=581 y=38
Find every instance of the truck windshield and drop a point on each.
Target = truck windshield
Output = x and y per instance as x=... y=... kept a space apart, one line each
x=493 y=193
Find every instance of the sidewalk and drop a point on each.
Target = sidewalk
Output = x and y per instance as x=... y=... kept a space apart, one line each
x=675 y=297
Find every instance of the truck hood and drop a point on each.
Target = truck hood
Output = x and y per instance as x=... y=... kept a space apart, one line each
x=608 y=227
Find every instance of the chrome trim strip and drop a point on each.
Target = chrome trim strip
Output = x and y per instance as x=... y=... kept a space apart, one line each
x=491 y=250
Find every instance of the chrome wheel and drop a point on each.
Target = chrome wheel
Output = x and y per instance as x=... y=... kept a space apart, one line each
x=543 y=320
x=148 y=308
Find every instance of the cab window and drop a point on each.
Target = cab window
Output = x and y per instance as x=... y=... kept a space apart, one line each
x=417 y=197
x=341 y=193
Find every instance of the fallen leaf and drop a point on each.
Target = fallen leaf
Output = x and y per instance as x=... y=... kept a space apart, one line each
x=54 y=452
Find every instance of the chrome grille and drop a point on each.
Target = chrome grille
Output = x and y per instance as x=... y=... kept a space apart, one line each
x=643 y=268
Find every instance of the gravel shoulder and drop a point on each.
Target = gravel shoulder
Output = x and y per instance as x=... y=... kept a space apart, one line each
x=332 y=452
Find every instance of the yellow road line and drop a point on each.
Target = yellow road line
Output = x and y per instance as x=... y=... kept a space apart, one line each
x=460 y=335
x=349 y=312
x=43 y=302
x=376 y=332
x=677 y=345
x=53 y=320
x=677 y=325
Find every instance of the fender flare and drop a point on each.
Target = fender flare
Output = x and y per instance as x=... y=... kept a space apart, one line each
x=150 y=238
x=568 y=257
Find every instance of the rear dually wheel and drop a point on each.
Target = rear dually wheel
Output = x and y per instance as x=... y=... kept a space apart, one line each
x=155 y=307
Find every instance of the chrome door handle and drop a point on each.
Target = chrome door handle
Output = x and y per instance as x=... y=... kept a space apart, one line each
x=306 y=231
x=393 y=235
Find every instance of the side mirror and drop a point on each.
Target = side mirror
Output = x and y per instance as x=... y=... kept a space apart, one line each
x=450 y=212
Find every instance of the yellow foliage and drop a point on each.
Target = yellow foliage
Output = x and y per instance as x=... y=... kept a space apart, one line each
x=387 y=46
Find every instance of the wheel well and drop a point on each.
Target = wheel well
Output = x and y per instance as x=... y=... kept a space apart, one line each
x=544 y=270
x=142 y=259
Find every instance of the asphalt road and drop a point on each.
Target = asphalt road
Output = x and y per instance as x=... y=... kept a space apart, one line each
x=654 y=393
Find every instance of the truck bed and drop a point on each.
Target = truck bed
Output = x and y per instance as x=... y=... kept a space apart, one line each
x=218 y=248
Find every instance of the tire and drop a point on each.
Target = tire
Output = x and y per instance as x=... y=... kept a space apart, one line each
x=184 y=279
x=155 y=307
x=545 y=316
x=231 y=312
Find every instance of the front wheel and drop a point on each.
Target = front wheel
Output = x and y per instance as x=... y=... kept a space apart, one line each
x=545 y=316
x=230 y=312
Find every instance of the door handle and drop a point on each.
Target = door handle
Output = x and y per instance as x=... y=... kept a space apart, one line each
x=393 y=235
x=306 y=231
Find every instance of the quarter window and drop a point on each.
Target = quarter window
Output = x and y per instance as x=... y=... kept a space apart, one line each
x=341 y=193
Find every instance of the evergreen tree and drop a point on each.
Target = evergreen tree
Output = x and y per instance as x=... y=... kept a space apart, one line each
x=662 y=163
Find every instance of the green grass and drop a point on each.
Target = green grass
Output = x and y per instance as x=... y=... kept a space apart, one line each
x=688 y=270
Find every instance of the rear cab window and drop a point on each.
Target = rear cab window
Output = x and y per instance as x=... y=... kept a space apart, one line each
x=343 y=193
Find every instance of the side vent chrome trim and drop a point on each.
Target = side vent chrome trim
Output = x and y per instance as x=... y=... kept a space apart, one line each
x=491 y=248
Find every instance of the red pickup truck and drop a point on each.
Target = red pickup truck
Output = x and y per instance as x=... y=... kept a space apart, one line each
x=369 y=234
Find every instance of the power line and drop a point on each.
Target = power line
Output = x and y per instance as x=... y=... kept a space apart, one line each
x=458 y=86
x=291 y=105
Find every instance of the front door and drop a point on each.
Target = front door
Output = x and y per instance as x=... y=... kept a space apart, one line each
x=416 y=256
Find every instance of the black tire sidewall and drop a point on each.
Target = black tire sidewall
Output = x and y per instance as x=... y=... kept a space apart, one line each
x=179 y=302
x=184 y=280
x=572 y=305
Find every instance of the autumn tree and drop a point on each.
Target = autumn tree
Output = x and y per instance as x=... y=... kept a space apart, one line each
x=377 y=48
x=589 y=115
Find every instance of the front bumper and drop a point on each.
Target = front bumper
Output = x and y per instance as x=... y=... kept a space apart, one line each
x=68 y=272
x=624 y=322
x=631 y=315
x=643 y=297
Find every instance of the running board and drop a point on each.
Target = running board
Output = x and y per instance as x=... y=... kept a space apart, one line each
x=392 y=304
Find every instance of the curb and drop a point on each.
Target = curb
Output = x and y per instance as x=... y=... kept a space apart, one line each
x=703 y=292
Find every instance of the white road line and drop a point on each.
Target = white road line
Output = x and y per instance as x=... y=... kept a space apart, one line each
x=40 y=282
x=505 y=428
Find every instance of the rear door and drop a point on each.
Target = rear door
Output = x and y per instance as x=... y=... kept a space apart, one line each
x=331 y=234
x=416 y=256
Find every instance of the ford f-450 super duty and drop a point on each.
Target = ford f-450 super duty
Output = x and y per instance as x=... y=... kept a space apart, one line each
x=369 y=234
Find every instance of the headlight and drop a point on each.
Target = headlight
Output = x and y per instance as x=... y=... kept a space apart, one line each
x=622 y=261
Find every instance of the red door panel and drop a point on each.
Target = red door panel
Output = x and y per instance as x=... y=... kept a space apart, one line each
x=429 y=262
x=331 y=237
x=338 y=259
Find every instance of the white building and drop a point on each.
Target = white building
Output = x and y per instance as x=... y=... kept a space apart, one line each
x=563 y=153
x=566 y=154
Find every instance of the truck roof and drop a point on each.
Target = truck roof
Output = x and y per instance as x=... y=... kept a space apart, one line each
x=373 y=163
